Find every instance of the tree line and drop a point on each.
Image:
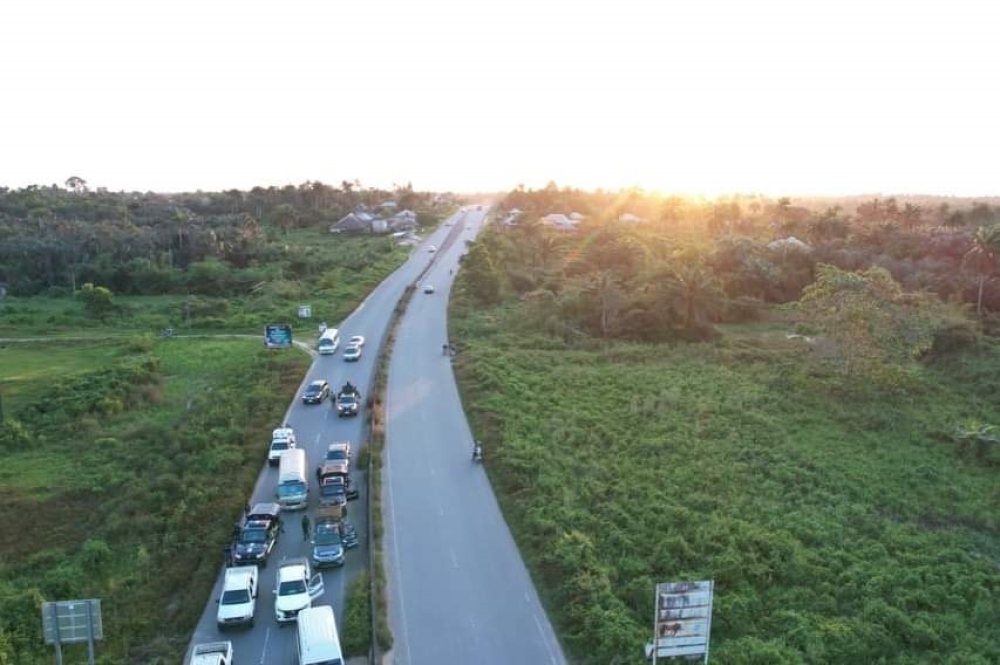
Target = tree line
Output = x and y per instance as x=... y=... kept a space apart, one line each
x=54 y=239
x=689 y=263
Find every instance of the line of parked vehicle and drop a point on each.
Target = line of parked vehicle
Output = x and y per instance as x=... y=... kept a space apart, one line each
x=330 y=535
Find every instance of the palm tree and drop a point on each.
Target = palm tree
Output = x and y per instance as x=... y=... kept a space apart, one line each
x=693 y=292
x=983 y=257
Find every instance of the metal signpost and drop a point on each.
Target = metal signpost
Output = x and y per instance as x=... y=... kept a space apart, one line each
x=683 y=620
x=72 y=621
x=277 y=336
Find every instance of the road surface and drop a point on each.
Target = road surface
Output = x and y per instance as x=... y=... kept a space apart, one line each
x=315 y=426
x=459 y=591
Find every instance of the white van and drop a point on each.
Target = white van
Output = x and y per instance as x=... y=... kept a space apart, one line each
x=293 y=486
x=318 y=642
x=328 y=341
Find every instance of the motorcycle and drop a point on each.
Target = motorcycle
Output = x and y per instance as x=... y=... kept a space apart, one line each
x=477 y=452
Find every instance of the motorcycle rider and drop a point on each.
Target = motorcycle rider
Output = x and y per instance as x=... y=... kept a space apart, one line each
x=477 y=451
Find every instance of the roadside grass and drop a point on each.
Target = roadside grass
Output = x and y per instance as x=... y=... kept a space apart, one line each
x=28 y=369
x=131 y=500
x=840 y=526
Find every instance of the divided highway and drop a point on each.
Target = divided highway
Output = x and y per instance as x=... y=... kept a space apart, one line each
x=316 y=426
x=459 y=591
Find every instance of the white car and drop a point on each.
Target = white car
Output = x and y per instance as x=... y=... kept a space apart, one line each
x=352 y=353
x=357 y=340
x=428 y=288
x=432 y=249
x=295 y=589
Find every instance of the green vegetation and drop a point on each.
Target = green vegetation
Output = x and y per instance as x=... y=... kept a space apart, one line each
x=357 y=630
x=119 y=493
x=830 y=463
x=839 y=527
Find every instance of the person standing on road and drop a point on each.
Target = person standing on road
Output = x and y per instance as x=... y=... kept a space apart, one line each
x=305 y=527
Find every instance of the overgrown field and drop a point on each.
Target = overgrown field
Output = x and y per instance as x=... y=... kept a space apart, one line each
x=839 y=525
x=131 y=464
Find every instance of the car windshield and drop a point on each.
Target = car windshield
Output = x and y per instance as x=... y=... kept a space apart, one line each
x=236 y=597
x=294 y=488
x=254 y=536
x=336 y=455
x=327 y=536
x=279 y=445
x=314 y=390
x=292 y=588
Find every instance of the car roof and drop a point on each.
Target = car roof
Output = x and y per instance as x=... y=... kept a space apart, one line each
x=265 y=508
x=320 y=382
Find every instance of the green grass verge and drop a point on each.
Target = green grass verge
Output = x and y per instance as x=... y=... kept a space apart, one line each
x=839 y=526
x=128 y=487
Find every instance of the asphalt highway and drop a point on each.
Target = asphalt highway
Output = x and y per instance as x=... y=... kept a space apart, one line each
x=459 y=591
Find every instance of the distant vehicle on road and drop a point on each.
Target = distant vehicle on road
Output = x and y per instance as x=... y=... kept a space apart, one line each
x=348 y=401
x=333 y=491
x=295 y=589
x=319 y=643
x=282 y=439
x=293 y=486
x=428 y=288
x=316 y=392
x=327 y=545
x=328 y=342
x=352 y=353
x=357 y=340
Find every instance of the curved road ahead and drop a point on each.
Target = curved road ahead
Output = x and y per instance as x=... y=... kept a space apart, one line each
x=315 y=427
x=459 y=591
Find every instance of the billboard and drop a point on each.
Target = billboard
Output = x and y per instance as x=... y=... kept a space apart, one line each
x=683 y=620
x=277 y=336
x=68 y=621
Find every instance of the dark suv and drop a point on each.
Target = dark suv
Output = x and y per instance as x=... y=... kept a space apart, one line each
x=316 y=392
x=258 y=535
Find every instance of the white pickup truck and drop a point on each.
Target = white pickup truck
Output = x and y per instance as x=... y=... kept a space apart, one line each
x=212 y=653
x=282 y=439
x=239 y=597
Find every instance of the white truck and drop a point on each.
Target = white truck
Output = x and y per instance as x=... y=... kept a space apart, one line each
x=282 y=439
x=239 y=597
x=212 y=653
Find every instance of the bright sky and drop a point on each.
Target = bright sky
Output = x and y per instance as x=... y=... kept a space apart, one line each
x=780 y=97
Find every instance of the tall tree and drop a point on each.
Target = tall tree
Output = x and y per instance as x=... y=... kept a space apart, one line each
x=867 y=320
x=982 y=258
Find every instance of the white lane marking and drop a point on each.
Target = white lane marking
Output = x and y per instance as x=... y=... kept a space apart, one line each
x=263 y=653
x=454 y=560
x=541 y=629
